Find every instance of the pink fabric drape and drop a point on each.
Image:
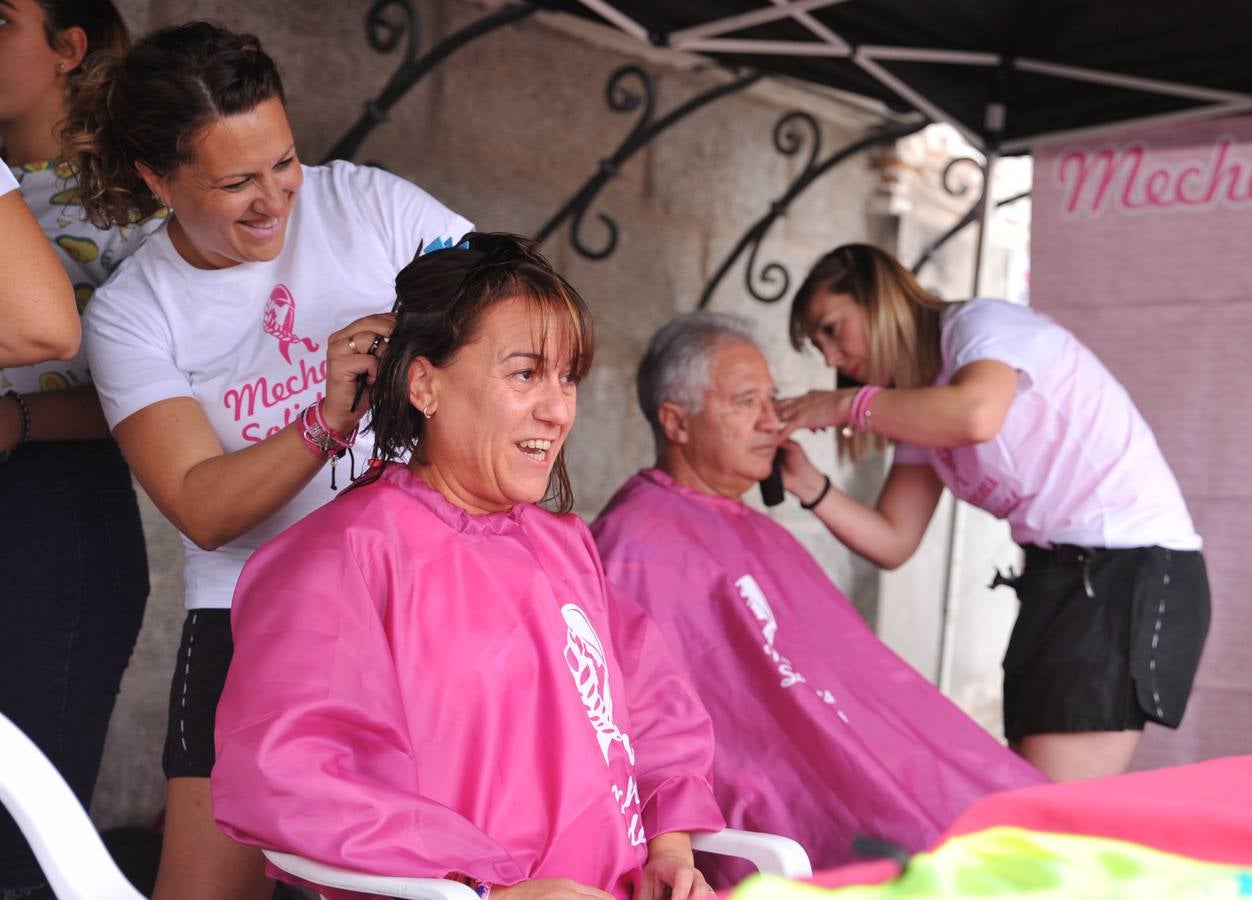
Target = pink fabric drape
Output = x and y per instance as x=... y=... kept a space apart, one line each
x=417 y=691
x=822 y=732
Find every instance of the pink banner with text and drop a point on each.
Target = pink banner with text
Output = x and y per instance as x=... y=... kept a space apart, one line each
x=1139 y=244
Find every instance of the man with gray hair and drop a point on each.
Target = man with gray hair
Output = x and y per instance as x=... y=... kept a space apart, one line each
x=705 y=369
x=822 y=732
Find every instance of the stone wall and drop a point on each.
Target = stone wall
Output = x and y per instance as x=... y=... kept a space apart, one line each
x=504 y=132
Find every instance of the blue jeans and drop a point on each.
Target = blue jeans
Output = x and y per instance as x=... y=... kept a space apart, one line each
x=73 y=584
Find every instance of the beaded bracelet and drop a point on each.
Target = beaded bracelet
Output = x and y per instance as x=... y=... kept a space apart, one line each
x=320 y=438
x=25 y=411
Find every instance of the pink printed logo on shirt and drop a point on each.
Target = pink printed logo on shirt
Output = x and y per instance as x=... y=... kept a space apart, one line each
x=280 y=321
x=589 y=664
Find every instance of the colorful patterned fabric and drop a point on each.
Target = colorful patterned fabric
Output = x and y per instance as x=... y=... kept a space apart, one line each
x=1184 y=831
x=1014 y=862
x=89 y=255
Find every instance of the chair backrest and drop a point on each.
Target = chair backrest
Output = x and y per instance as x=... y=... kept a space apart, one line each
x=69 y=850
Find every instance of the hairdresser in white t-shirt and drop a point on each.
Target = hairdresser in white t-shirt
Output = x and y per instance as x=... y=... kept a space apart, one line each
x=227 y=350
x=1014 y=415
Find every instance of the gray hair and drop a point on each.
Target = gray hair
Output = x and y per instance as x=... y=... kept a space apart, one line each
x=675 y=367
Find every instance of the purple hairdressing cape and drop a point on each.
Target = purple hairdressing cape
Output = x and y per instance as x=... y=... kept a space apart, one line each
x=822 y=732
x=418 y=691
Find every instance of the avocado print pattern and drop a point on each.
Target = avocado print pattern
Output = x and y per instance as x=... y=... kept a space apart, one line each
x=89 y=255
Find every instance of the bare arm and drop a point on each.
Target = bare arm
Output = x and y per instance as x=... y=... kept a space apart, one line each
x=670 y=870
x=549 y=889
x=69 y=415
x=38 y=316
x=887 y=533
x=969 y=410
x=213 y=496
x=210 y=495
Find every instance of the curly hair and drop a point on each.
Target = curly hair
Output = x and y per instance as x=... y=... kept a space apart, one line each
x=100 y=22
x=148 y=105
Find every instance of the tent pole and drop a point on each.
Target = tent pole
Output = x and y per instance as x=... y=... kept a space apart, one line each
x=986 y=209
x=956 y=528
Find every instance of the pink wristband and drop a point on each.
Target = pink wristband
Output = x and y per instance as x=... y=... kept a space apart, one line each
x=859 y=414
x=319 y=437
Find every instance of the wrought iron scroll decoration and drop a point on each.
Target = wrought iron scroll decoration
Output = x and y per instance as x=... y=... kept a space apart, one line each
x=971 y=214
x=790 y=139
x=384 y=33
x=620 y=97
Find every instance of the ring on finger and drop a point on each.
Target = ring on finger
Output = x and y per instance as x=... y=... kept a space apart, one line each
x=352 y=345
x=378 y=339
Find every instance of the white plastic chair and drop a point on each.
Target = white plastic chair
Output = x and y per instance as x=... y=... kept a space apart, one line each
x=69 y=850
x=770 y=853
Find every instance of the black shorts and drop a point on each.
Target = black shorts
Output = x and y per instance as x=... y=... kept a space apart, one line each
x=199 y=675
x=1106 y=640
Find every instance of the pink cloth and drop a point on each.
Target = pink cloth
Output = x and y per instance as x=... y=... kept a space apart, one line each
x=417 y=691
x=1202 y=810
x=822 y=732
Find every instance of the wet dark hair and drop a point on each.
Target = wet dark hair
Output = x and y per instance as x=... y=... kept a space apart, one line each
x=147 y=106
x=99 y=20
x=441 y=298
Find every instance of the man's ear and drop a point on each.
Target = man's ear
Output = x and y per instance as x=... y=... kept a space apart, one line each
x=423 y=392
x=674 y=425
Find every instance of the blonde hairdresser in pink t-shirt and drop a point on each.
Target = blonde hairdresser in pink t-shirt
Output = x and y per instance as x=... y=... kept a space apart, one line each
x=1014 y=415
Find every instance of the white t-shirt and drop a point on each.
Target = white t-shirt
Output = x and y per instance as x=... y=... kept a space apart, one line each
x=89 y=255
x=1074 y=462
x=248 y=342
x=7 y=181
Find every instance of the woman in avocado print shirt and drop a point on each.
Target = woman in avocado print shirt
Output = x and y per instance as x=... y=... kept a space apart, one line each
x=73 y=570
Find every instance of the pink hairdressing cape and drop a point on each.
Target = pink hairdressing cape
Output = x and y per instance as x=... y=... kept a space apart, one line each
x=822 y=732
x=416 y=691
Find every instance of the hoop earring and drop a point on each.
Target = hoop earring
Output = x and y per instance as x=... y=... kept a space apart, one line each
x=426 y=411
